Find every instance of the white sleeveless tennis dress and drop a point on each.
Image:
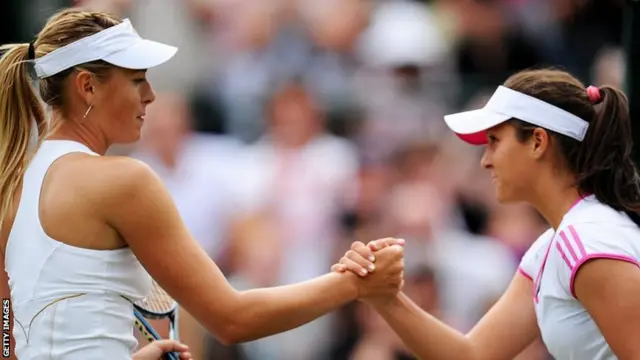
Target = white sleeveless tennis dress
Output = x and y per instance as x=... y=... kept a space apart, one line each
x=68 y=302
x=590 y=230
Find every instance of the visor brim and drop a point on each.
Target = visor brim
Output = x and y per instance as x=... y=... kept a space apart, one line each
x=146 y=54
x=471 y=126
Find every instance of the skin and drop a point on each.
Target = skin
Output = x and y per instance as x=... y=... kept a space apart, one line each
x=530 y=172
x=157 y=348
x=119 y=202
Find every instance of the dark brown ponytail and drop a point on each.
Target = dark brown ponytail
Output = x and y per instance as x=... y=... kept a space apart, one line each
x=604 y=160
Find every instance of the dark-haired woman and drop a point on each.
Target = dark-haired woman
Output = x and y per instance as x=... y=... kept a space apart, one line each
x=566 y=150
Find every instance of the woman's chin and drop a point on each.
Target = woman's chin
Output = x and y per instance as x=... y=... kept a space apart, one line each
x=504 y=197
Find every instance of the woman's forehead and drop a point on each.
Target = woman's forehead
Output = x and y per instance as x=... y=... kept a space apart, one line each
x=500 y=128
x=131 y=72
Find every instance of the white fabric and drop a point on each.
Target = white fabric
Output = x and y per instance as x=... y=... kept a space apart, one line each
x=68 y=302
x=506 y=104
x=589 y=230
x=118 y=45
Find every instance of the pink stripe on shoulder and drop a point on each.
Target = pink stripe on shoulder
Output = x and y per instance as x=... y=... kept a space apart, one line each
x=589 y=257
x=524 y=273
x=569 y=247
x=576 y=238
x=564 y=256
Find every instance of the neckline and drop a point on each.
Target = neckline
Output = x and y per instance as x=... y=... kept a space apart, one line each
x=578 y=204
x=76 y=144
x=538 y=281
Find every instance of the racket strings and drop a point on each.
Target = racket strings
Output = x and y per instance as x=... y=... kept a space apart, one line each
x=158 y=301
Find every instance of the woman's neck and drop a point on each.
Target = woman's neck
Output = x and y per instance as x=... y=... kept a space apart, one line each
x=554 y=199
x=67 y=130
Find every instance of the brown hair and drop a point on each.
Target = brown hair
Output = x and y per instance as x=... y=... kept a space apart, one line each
x=602 y=162
x=19 y=104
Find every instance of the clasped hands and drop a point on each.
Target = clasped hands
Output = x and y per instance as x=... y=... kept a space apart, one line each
x=379 y=266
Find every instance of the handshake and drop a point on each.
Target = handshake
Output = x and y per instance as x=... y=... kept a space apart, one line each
x=379 y=266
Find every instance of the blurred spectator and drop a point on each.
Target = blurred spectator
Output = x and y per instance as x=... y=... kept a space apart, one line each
x=609 y=67
x=199 y=170
x=307 y=180
x=181 y=23
x=490 y=47
x=405 y=55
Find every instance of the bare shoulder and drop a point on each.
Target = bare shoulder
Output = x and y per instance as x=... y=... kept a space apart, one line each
x=124 y=174
x=107 y=179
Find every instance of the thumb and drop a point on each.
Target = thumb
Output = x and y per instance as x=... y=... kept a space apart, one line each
x=170 y=345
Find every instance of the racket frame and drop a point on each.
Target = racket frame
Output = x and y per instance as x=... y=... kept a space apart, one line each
x=172 y=314
x=147 y=331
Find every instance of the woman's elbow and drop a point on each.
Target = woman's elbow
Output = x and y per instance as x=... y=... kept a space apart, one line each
x=232 y=328
x=232 y=333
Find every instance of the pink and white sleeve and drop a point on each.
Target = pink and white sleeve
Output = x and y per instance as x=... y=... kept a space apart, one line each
x=530 y=263
x=578 y=244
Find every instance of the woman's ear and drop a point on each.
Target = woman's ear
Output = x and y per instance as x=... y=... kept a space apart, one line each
x=539 y=142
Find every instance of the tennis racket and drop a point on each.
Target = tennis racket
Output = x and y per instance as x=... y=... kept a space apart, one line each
x=157 y=305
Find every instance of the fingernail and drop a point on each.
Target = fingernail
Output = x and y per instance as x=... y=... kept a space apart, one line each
x=401 y=241
x=372 y=258
x=372 y=267
x=363 y=272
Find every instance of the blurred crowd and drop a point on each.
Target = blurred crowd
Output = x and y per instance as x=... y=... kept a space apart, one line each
x=286 y=129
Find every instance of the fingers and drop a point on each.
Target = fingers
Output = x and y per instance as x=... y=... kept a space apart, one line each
x=363 y=251
x=360 y=258
x=355 y=263
x=171 y=346
x=186 y=356
x=380 y=244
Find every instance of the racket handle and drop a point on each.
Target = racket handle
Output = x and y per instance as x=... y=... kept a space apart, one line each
x=170 y=356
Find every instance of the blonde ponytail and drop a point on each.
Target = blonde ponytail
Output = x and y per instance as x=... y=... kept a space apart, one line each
x=19 y=107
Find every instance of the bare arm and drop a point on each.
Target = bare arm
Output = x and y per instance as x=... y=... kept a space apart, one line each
x=142 y=211
x=507 y=329
x=609 y=290
x=504 y=332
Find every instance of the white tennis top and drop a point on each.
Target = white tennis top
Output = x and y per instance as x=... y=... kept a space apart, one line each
x=68 y=302
x=588 y=231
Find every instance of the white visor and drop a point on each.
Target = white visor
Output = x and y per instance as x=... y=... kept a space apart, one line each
x=506 y=104
x=118 y=45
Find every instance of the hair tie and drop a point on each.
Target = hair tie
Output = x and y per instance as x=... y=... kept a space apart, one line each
x=32 y=51
x=594 y=94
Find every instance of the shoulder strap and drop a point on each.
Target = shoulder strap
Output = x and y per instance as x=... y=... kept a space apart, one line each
x=45 y=156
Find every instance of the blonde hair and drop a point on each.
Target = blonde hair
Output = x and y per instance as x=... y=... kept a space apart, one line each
x=19 y=103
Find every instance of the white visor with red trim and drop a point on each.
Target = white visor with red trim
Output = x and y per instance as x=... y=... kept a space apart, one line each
x=118 y=45
x=506 y=104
